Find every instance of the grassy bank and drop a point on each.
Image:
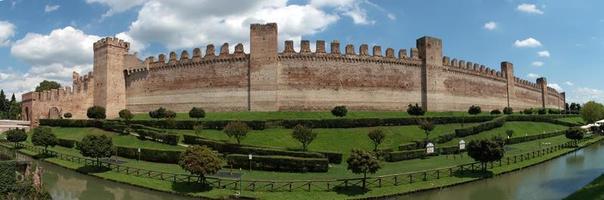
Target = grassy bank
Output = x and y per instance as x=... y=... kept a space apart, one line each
x=594 y=190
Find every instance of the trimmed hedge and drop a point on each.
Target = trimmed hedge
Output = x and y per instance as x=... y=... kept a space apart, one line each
x=395 y=156
x=151 y=155
x=71 y=123
x=66 y=143
x=372 y=122
x=485 y=126
x=157 y=135
x=541 y=118
x=7 y=176
x=278 y=163
x=225 y=147
x=515 y=140
x=189 y=124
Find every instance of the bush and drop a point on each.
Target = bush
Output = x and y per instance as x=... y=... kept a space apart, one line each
x=16 y=135
x=554 y=111
x=415 y=110
x=126 y=115
x=339 y=111
x=197 y=113
x=67 y=115
x=237 y=130
x=542 y=111
x=528 y=111
x=495 y=112
x=96 y=112
x=278 y=163
x=151 y=155
x=158 y=114
x=66 y=143
x=508 y=110
x=474 y=110
x=170 y=114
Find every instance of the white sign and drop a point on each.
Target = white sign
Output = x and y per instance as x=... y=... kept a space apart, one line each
x=139 y=150
x=249 y=156
x=462 y=145
x=430 y=148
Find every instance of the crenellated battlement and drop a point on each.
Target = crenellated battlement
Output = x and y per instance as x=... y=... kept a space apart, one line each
x=475 y=68
x=209 y=57
x=111 y=41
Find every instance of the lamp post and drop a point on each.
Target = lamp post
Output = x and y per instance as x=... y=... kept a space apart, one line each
x=250 y=158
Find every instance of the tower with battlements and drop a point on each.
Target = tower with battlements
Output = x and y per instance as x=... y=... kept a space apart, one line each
x=110 y=86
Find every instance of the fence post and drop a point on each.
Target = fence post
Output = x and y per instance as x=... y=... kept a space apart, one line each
x=395 y=180
x=410 y=178
x=437 y=174
x=380 y=182
x=425 y=176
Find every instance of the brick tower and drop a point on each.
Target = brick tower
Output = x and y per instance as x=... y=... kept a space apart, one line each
x=264 y=68
x=110 y=86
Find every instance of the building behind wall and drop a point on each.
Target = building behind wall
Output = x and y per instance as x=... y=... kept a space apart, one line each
x=265 y=79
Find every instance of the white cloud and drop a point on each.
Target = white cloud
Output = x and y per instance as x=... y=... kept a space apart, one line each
x=537 y=63
x=569 y=83
x=391 y=16
x=50 y=8
x=117 y=6
x=7 y=30
x=555 y=86
x=490 y=25
x=528 y=42
x=351 y=8
x=584 y=94
x=533 y=75
x=543 y=54
x=529 y=8
x=196 y=23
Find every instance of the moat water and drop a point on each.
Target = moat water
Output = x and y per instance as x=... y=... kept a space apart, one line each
x=554 y=179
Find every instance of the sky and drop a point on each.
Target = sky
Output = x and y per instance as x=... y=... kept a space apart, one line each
x=560 y=40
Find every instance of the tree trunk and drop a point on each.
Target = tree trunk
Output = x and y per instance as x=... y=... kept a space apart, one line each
x=364 y=180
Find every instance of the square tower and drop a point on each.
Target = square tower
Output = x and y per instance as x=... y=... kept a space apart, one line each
x=108 y=69
x=264 y=68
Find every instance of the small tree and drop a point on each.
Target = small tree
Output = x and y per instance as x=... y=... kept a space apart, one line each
x=485 y=151
x=575 y=134
x=236 y=129
x=376 y=136
x=96 y=112
x=170 y=114
x=528 y=111
x=158 y=114
x=474 y=110
x=495 y=112
x=542 y=111
x=415 y=110
x=363 y=162
x=96 y=146
x=508 y=110
x=16 y=135
x=43 y=136
x=67 y=115
x=427 y=126
x=126 y=115
x=303 y=135
x=197 y=113
x=509 y=132
x=200 y=160
x=339 y=111
x=592 y=112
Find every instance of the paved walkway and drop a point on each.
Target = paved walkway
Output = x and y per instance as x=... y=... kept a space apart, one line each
x=10 y=124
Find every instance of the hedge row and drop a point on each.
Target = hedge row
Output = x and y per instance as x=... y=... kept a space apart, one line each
x=485 y=126
x=157 y=135
x=7 y=176
x=66 y=143
x=515 y=140
x=395 y=156
x=541 y=118
x=151 y=155
x=190 y=124
x=224 y=147
x=278 y=163
x=372 y=122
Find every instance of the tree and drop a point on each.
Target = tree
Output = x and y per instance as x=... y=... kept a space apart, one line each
x=592 y=112
x=236 y=129
x=376 y=136
x=170 y=114
x=158 y=114
x=3 y=104
x=96 y=112
x=495 y=112
x=575 y=134
x=485 y=151
x=96 y=146
x=303 y=135
x=67 y=115
x=16 y=135
x=415 y=110
x=508 y=110
x=200 y=160
x=363 y=162
x=43 y=136
x=427 y=126
x=14 y=110
x=509 y=132
x=47 y=85
x=339 y=111
x=197 y=113
x=542 y=111
x=528 y=111
x=474 y=110
x=126 y=115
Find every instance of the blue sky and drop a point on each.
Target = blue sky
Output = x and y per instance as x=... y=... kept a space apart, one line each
x=561 y=40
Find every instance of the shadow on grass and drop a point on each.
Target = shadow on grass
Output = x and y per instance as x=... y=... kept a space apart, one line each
x=473 y=174
x=91 y=169
x=352 y=190
x=187 y=187
x=42 y=156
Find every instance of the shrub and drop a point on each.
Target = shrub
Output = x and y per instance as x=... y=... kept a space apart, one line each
x=43 y=136
x=236 y=129
x=303 y=135
x=16 y=135
x=158 y=114
x=362 y=162
x=151 y=155
x=278 y=163
x=474 y=110
x=542 y=111
x=377 y=137
x=528 y=111
x=495 y=112
x=96 y=112
x=197 y=113
x=339 y=111
x=170 y=114
x=427 y=126
x=508 y=110
x=200 y=160
x=126 y=115
x=485 y=151
x=415 y=110
x=66 y=143
x=96 y=146
x=67 y=115
x=554 y=111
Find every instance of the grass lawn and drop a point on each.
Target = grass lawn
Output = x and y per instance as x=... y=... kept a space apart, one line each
x=594 y=190
x=118 y=140
x=578 y=120
x=519 y=128
x=302 y=115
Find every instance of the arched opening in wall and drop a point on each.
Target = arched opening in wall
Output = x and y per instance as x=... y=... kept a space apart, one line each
x=26 y=114
x=54 y=113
